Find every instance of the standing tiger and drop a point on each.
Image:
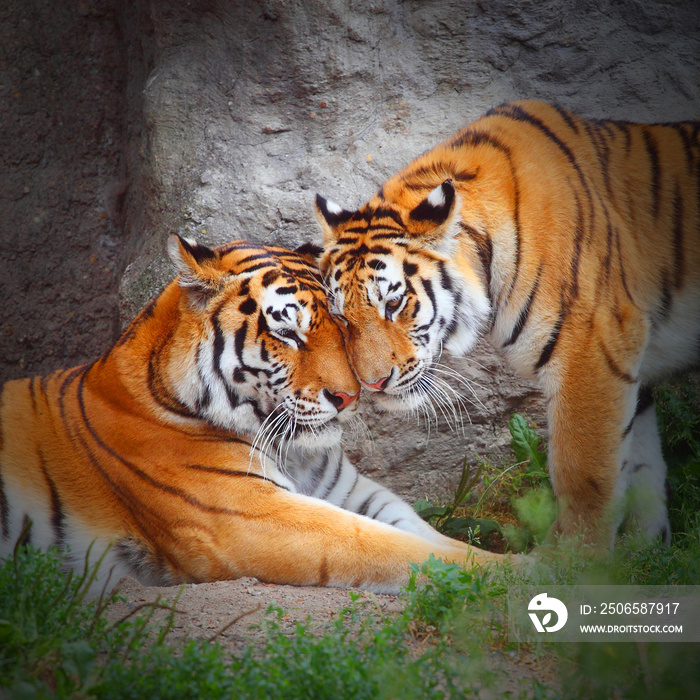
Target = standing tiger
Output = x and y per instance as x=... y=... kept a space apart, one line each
x=205 y=444
x=574 y=246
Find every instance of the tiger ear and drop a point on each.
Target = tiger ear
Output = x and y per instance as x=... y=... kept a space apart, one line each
x=437 y=216
x=330 y=215
x=199 y=272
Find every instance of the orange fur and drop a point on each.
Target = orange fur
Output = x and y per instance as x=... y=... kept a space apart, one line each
x=574 y=246
x=151 y=447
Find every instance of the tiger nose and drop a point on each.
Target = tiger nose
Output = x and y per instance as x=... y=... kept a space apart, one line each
x=378 y=385
x=339 y=399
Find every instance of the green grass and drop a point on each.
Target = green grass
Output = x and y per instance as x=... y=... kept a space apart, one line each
x=55 y=644
x=450 y=641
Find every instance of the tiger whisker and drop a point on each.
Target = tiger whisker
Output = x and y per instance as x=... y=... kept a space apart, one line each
x=468 y=384
x=277 y=438
x=438 y=397
x=269 y=434
x=425 y=406
x=293 y=428
x=459 y=401
x=258 y=440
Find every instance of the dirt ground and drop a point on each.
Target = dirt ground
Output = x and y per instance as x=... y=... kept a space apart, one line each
x=225 y=611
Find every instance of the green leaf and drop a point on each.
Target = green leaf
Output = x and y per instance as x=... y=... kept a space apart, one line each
x=468 y=526
x=427 y=510
x=7 y=630
x=78 y=657
x=525 y=444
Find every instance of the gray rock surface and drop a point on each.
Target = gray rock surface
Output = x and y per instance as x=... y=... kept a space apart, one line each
x=221 y=120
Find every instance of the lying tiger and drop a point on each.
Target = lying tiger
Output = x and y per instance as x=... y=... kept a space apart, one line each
x=574 y=246
x=151 y=447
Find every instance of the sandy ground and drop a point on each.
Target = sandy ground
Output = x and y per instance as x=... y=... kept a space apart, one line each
x=228 y=611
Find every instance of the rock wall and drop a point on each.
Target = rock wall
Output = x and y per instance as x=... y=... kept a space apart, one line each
x=221 y=119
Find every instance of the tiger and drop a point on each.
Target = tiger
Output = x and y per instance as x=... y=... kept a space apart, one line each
x=206 y=443
x=572 y=245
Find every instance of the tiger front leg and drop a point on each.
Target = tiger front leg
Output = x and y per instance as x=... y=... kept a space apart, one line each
x=589 y=419
x=290 y=538
x=358 y=494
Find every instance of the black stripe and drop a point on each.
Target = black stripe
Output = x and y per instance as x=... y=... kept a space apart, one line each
x=609 y=233
x=258 y=266
x=678 y=238
x=156 y=483
x=32 y=390
x=385 y=213
x=519 y=114
x=654 y=167
x=645 y=399
x=219 y=345
x=666 y=297
x=334 y=480
x=484 y=249
x=445 y=280
x=428 y=286
x=624 y=127
x=384 y=505
x=364 y=507
x=612 y=365
x=137 y=510
x=593 y=483
x=270 y=276
x=567 y=117
x=234 y=473
x=525 y=311
x=379 y=250
x=409 y=268
x=576 y=257
x=688 y=141
x=548 y=349
x=623 y=276
x=70 y=376
x=157 y=387
x=248 y=307
x=352 y=488
x=602 y=151
x=255 y=256
x=57 y=515
x=318 y=473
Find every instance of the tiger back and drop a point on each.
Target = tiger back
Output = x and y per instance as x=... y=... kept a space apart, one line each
x=573 y=245
x=205 y=444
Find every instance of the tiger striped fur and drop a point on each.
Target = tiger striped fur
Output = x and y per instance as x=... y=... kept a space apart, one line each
x=572 y=245
x=205 y=444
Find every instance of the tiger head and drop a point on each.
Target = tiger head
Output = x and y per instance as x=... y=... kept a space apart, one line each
x=405 y=291
x=256 y=349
